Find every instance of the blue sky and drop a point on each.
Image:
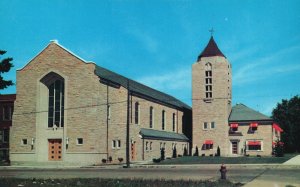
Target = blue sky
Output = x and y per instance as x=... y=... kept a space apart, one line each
x=156 y=42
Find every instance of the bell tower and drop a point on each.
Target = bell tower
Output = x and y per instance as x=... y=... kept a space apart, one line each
x=211 y=99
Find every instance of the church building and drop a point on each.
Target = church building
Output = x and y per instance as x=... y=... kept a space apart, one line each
x=70 y=111
x=237 y=130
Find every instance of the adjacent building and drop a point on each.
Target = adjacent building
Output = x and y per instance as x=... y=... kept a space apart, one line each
x=236 y=130
x=70 y=111
x=6 y=113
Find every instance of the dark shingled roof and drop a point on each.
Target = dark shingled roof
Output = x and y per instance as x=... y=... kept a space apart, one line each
x=211 y=50
x=241 y=112
x=156 y=134
x=139 y=89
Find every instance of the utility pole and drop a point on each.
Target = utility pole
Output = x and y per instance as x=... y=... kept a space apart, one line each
x=127 y=128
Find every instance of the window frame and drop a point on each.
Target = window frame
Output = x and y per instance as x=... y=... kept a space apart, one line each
x=136 y=113
x=253 y=146
x=205 y=124
x=79 y=141
x=163 y=120
x=212 y=125
x=56 y=103
x=174 y=122
x=24 y=141
x=151 y=117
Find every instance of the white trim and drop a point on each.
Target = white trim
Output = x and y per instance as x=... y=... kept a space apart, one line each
x=56 y=42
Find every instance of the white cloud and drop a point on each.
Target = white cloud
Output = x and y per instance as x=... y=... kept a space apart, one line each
x=263 y=67
x=148 y=41
x=176 y=81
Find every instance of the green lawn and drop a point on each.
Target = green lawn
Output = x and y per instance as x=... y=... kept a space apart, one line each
x=94 y=182
x=227 y=160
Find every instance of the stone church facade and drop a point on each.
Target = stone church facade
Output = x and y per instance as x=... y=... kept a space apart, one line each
x=237 y=130
x=70 y=111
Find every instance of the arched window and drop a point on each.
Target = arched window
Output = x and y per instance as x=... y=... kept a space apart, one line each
x=208 y=80
x=56 y=100
x=163 y=120
x=174 y=122
x=136 y=112
x=151 y=117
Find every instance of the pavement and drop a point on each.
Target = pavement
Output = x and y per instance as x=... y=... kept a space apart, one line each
x=252 y=175
x=293 y=161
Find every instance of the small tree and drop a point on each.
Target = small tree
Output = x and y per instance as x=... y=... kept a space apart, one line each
x=174 y=153
x=5 y=66
x=218 y=151
x=185 y=152
x=162 y=154
x=196 y=152
x=278 y=150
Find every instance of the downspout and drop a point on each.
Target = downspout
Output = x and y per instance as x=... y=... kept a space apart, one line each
x=143 y=154
x=177 y=122
x=107 y=120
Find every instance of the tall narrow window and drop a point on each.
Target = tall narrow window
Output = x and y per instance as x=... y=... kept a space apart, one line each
x=208 y=81
x=7 y=113
x=174 y=122
x=136 y=112
x=151 y=117
x=5 y=135
x=163 y=120
x=56 y=104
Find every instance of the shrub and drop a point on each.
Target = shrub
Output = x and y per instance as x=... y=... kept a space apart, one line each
x=185 y=153
x=258 y=155
x=103 y=160
x=120 y=160
x=211 y=155
x=218 y=151
x=179 y=155
x=174 y=153
x=162 y=154
x=196 y=152
x=203 y=155
x=109 y=158
x=156 y=160
x=278 y=150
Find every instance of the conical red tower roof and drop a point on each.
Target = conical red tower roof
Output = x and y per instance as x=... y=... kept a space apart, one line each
x=211 y=50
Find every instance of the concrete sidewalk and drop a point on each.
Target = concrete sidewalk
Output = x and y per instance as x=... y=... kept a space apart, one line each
x=293 y=161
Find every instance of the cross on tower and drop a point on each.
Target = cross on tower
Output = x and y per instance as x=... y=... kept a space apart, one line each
x=211 y=31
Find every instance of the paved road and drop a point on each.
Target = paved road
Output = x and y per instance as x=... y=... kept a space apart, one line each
x=253 y=175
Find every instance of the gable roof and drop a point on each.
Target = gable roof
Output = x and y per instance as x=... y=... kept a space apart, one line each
x=211 y=49
x=241 y=112
x=139 y=89
x=156 y=134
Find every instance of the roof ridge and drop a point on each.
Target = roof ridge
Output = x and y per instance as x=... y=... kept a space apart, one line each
x=135 y=87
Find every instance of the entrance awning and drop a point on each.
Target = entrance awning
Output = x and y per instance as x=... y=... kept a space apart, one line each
x=253 y=125
x=234 y=125
x=254 y=143
x=208 y=142
x=277 y=128
x=280 y=143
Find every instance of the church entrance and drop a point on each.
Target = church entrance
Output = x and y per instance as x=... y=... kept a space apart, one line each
x=54 y=149
x=133 y=153
x=234 y=147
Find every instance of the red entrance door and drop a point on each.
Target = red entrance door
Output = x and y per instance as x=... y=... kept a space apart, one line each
x=54 y=150
x=234 y=147
x=133 y=153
